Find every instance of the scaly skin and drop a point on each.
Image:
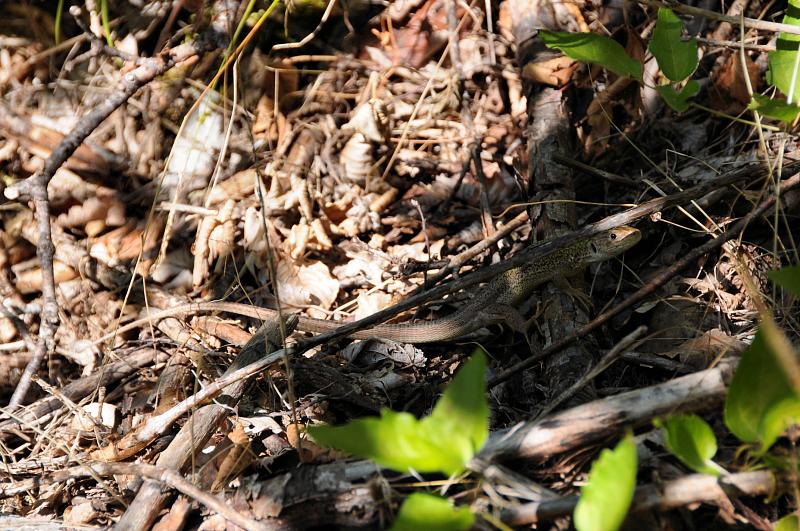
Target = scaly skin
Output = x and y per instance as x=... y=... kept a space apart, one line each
x=502 y=292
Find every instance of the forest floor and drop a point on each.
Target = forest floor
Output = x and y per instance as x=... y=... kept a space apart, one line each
x=334 y=163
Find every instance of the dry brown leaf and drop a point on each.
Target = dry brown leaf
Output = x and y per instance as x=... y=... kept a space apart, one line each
x=7 y=330
x=82 y=513
x=306 y=284
x=94 y=215
x=700 y=351
x=369 y=303
x=215 y=239
x=296 y=243
x=731 y=94
x=237 y=458
x=356 y=159
x=31 y=281
x=176 y=517
x=238 y=186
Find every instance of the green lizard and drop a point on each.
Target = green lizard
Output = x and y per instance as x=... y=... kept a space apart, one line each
x=490 y=306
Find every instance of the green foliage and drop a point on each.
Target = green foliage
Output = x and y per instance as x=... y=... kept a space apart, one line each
x=678 y=101
x=593 y=48
x=788 y=523
x=606 y=497
x=788 y=278
x=57 y=24
x=444 y=441
x=777 y=109
x=676 y=58
x=426 y=511
x=784 y=62
x=691 y=439
x=104 y=18
x=761 y=400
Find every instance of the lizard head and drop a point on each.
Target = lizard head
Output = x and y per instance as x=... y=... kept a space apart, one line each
x=611 y=243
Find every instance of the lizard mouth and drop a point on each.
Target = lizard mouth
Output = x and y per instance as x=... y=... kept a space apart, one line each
x=629 y=235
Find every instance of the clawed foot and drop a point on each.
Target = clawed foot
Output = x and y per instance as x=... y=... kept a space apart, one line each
x=577 y=295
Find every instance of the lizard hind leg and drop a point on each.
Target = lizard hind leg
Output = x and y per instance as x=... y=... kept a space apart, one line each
x=507 y=315
x=585 y=301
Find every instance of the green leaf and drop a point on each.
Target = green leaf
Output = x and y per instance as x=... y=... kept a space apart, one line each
x=784 y=67
x=788 y=523
x=777 y=420
x=787 y=277
x=679 y=101
x=606 y=497
x=593 y=48
x=777 y=109
x=463 y=412
x=759 y=385
x=444 y=442
x=676 y=58
x=691 y=439
x=426 y=511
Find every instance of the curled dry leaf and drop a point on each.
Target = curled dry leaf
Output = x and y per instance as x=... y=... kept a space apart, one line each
x=255 y=241
x=370 y=352
x=255 y=426
x=268 y=127
x=31 y=281
x=700 y=351
x=174 y=271
x=383 y=201
x=7 y=330
x=371 y=119
x=237 y=457
x=296 y=243
x=356 y=159
x=215 y=239
x=306 y=285
x=360 y=268
x=94 y=215
x=125 y=243
x=85 y=353
x=370 y=124
x=321 y=235
x=369 y=303
x=81 y=513
x=238 y=186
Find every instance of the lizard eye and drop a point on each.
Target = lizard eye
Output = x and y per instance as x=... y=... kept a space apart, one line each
x=613 y=235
